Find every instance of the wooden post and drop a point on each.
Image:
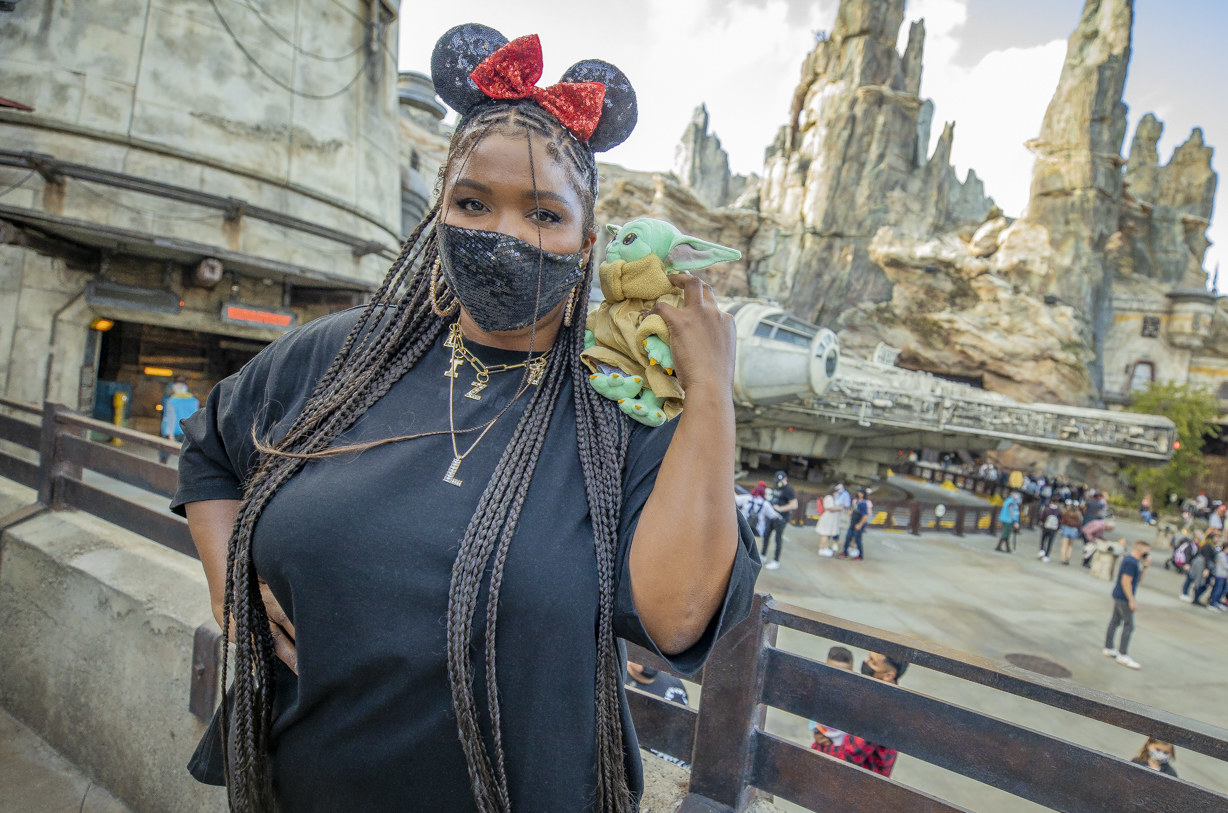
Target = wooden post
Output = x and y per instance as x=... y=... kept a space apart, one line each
x=729 y=714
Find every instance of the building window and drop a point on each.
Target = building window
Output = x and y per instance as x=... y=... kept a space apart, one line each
x=1151 y=327
x=1144 y=373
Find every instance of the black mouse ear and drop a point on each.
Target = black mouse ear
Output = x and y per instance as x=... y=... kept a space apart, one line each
x=456 y=54
x=618 y=109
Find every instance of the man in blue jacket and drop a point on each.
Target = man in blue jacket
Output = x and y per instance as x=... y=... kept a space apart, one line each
x=1009 y=519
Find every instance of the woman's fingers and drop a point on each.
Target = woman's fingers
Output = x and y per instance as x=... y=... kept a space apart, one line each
x=280 y=627
x=701 y=335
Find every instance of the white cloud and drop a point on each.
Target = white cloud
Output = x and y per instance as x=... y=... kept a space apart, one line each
x=996 y=105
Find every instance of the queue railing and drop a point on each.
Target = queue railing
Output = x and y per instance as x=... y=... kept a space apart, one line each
x=734 y=759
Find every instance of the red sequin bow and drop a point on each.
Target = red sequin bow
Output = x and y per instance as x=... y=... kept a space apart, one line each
x=512 y=73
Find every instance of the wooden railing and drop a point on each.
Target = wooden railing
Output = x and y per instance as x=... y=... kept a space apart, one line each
x=733 y=758
x=59 y=436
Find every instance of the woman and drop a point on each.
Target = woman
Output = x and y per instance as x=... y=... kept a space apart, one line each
x=1157 y=755
x=424 y=529
x=828 y=526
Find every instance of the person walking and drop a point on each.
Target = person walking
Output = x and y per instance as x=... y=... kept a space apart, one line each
x=1050 y=521
x=1201 y=575
x=1125 y=591
x=844 y=505
x=1071 y=522
x=784 y=500
x=1009 y=518
x=857 y=526
x=760 y=514
x=1219 y=574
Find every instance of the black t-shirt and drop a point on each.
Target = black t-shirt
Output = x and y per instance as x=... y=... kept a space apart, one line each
x=358 y=549
x=783 y=496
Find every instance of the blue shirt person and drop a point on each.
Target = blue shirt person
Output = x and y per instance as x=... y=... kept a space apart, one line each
x=1125 y=588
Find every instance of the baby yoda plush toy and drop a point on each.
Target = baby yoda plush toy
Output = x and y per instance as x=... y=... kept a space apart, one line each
x=627 y=346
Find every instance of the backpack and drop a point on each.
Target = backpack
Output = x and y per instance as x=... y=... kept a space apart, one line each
x=1184 y=552
x=753 y=509
x=818 y=506
x=1052 y=521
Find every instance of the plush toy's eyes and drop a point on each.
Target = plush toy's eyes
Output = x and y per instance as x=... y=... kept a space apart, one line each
x=629 y=239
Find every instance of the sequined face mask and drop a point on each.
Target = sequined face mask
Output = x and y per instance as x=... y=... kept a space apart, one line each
x=495 y=276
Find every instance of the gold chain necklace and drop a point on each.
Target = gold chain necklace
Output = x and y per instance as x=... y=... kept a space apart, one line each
x=482 y=372
x=460 y=354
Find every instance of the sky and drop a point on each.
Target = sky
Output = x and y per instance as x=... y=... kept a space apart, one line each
x=990 y=66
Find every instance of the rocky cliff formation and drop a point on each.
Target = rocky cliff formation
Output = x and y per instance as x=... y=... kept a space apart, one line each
x=701 y=165
x=854 y=226
x=853 y=159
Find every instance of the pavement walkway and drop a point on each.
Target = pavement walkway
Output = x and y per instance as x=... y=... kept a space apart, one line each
x=959 y=593
x=34 y=778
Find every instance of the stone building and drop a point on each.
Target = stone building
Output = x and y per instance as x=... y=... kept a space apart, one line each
x=182 y=181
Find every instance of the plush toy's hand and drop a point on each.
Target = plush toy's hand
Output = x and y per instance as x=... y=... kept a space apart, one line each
x=702 y=340
x=659 y=353
x=616 y=386
x=589 y=339
x=646 y=408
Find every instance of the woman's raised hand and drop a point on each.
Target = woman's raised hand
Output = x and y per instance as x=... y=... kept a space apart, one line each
x=702 y=338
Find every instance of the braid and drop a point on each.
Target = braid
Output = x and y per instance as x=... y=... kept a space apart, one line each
x=392 y=333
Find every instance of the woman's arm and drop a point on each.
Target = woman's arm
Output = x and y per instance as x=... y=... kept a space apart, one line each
x=210 y=522
x=687 y=537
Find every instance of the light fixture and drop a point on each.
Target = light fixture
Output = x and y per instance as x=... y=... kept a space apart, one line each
x=159 y=372
x=102 y=325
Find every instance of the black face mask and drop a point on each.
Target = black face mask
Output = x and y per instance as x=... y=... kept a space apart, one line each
x=866 y=670
x=496 y=277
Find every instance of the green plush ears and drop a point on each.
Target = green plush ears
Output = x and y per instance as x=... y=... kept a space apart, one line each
x=645 y=235
x=692 y=254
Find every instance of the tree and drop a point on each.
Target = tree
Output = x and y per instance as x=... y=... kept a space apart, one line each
x=1193 y=410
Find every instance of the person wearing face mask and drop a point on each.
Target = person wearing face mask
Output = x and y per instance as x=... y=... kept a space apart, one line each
x=1158 y=756
x=869 y=755
x=404 y=509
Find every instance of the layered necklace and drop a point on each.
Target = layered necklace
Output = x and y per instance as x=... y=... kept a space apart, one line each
x=535 y=370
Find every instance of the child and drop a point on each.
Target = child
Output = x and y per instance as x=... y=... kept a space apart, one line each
x=825 y=736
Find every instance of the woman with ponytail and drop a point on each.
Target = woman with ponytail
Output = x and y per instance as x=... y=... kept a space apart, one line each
x=405 y=509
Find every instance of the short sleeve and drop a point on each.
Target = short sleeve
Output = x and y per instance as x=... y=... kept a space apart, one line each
x=263 y=398
x=644 y=455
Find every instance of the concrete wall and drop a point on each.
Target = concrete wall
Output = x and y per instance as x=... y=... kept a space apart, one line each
x=41 y=301
x=96 y=629
x=160 y=90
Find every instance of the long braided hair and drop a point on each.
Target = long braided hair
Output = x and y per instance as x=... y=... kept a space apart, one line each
x=390 y=336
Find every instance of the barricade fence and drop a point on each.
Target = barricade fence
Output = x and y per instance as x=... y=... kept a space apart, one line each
x=733 y=758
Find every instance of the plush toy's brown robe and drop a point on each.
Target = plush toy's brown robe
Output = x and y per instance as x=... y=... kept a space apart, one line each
x=623 y=321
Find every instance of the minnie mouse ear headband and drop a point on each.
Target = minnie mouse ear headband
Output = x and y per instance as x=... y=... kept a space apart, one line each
x=475 y=64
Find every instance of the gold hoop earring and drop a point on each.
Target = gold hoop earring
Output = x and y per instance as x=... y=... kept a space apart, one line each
x=571 y=306
x=434 y=289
